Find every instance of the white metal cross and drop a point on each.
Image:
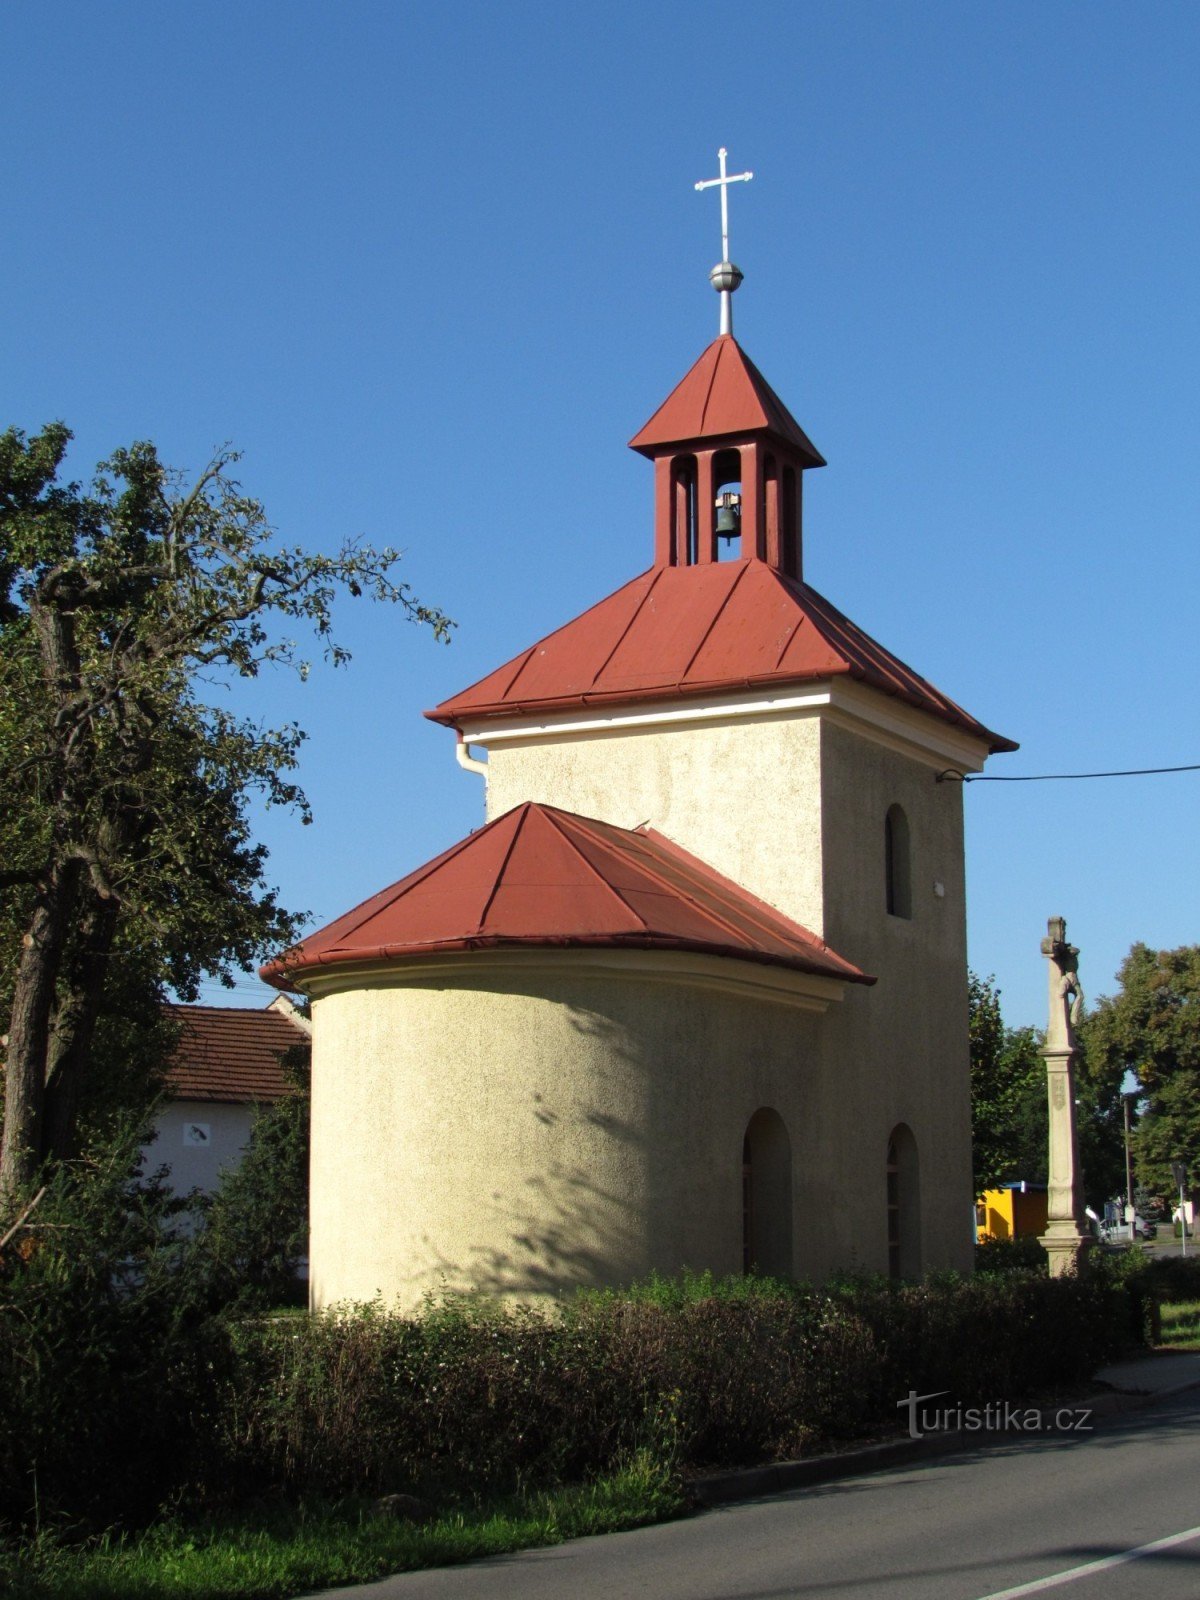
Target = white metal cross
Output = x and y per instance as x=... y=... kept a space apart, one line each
x=723 y=183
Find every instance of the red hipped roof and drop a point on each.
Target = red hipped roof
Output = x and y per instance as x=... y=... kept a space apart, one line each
x=723 y=395
x=229 y=1054
x=538 y=877
x=689 y=631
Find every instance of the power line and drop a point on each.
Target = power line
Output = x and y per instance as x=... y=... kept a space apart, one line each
x=952 y=773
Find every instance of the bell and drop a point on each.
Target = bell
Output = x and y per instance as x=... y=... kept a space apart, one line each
x=729 y=515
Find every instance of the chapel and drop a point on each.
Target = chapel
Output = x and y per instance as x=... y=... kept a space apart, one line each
x=695 y=994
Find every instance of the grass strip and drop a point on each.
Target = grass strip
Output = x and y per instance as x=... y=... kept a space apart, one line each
x=291 y=1551
x=1181 y=1325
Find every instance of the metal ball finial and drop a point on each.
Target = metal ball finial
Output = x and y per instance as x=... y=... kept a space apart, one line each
x=725 y=277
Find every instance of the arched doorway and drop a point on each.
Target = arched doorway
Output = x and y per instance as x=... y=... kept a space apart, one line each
x=767 y=1195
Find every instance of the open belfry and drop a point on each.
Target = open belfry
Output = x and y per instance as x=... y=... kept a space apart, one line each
x=696 y=994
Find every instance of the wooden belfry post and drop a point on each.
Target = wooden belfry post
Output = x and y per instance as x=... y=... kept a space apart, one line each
x=1066 y=1236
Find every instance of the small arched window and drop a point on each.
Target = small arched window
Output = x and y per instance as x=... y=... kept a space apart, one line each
x=897 y=860
x=903 y=1205
x=767 y=1195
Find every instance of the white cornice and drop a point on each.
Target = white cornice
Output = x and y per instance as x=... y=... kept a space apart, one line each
x=882 y=717
x=749 y=980
x=902 y=727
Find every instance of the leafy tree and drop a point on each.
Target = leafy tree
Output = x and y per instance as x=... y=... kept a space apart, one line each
x=102 y=1359
x=124 y=835
x=1151 y=1027
x=1008 y=1085
x=1009 y=1109
x=256 y=1226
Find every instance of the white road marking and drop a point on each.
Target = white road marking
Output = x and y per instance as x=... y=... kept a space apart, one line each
x=1093 y=1566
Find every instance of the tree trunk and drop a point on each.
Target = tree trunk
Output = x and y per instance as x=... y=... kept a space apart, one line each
x=74 y=1025
x=23 y=1147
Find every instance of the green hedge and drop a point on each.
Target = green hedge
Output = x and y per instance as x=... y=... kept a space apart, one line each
x=709 y=1374
x=1170 y=1278
x=152 y=1403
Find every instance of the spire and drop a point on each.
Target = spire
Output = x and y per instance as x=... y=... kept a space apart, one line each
x=725 y=277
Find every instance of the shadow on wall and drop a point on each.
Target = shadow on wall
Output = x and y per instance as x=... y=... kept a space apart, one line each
x=574 y=1228
x=564 y=1219
x=574 y=1234
x=569 y=1233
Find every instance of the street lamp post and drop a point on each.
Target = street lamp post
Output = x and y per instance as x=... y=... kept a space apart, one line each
x=1179 y=1173
x=1129 y=1175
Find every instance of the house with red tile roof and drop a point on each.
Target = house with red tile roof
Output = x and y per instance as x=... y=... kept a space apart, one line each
x=695 y=995
x=228 y=1064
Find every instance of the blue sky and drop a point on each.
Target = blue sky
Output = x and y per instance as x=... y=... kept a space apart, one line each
x=430 y=268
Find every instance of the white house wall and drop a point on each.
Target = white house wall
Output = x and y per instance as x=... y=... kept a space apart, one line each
x=196 y=1139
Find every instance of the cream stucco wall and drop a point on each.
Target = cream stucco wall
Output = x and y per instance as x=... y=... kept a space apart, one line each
x=525 y=1134
x=900 y=1047
x=792 y=807
x=525 y=1139
x=743 y=796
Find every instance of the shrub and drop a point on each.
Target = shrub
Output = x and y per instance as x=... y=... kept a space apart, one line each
x=146 y=1399
x=103 y=1366
x=700 y=1372
x=1172 y=1279
x=1019 y=1254
x=255 y=1231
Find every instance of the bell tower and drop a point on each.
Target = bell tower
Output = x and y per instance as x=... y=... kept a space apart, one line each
x=728 y=455
x=719 y=697
x=729 y=460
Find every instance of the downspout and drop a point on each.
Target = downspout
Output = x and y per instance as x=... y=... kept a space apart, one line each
x=464 y=758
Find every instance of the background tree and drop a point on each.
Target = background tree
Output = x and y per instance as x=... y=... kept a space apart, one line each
x=1009 y=1111
x=123 y=792
x=1008 y=1085
x=255 y=1233
x=1151 y=1027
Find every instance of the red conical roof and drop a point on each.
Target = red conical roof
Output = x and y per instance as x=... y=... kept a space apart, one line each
x=690 y=631
x=723 y=394
x=538 y=876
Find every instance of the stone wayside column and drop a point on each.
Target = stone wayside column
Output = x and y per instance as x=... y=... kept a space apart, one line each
x=1066 y=1236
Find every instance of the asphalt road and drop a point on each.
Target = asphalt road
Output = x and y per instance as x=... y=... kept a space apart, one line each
x=980 y=1525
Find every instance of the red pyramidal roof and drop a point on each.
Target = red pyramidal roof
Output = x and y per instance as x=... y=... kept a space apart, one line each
x=538 y=876
x=688 y=631
x=723 y=394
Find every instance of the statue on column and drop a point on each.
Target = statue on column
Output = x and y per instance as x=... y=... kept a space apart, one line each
x=1067 y=1235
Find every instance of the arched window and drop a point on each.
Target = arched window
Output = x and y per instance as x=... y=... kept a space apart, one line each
x=903 y=1204
x=897 y=857
x=767 y=1195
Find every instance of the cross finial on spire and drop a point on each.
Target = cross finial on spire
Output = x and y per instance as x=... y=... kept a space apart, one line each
x=725 y=277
